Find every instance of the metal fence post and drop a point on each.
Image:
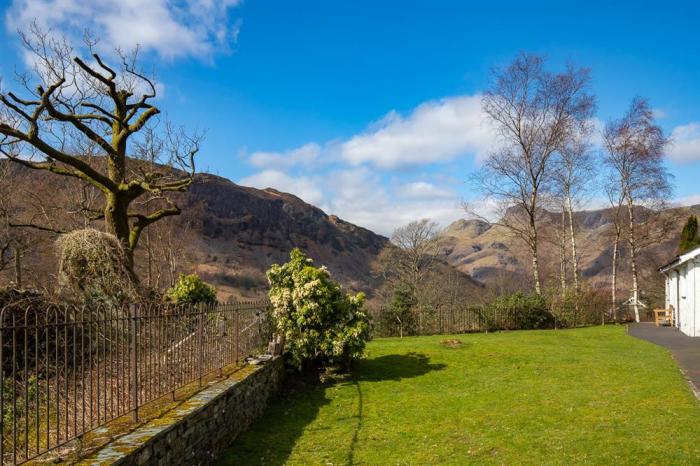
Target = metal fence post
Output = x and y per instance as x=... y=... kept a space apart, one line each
x=2 y=385
x=237 y=331
x=200 y=341
x=133 y=350
x=219 y=337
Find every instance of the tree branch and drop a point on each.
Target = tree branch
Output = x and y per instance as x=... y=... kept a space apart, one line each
x=83 y=170
x=143 y=119
x=83 y=128
x=142 y=221
x=106 y=81
x=37 y=227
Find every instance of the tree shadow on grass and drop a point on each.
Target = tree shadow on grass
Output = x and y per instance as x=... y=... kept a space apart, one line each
x=272 y=438
x=393 y=367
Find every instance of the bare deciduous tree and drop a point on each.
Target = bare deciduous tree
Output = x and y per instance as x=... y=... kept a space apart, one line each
x=573 y=174
x=87 y=120
x=166 y=252
x=15 y=241
x=420 y=292
x=561 y=233
x=5 y=236
x=635 y=148
x=534 y=112
x=419 y=244
x=617 y=204
x=411 y=258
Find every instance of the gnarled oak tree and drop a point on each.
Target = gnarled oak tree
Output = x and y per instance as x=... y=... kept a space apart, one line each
x=85 y=119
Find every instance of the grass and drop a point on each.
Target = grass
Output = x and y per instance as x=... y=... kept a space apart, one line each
x=592 y=396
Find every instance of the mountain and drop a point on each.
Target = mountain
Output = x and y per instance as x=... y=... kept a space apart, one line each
x=493 y=255
x=241 y=231
x=229 y=234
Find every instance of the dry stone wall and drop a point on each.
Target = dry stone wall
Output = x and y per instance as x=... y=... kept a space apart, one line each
x=201 y=428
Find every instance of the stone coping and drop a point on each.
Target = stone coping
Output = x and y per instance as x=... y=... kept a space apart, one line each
x=132 y=447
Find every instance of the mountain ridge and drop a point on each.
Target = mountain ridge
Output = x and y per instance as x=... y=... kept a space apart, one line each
x=228 y=233
x=493 y=255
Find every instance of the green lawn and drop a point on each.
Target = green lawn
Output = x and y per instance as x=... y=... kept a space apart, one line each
x=593 y=396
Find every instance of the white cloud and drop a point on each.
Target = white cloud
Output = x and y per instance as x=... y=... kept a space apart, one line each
x=306 y=155
x=305 y=187
x=436 y=131
x=685 y=143
x=360 y=195
x=172 y=29
x=348 y=177
x=693 y=199
x=357 y=179
x=424 y=190
x=597 y=131
x=659 y=113
x=388 y=216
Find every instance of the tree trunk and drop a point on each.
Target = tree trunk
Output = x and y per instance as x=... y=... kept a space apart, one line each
x=613 y=291
x=536 y=271
x=18 y=267
x=633 y=260
x=149 y=263
x=420 y=320
x=533 y=251
x=172 y=266
x=574 y=251
x=562 y=255
x=117 y=223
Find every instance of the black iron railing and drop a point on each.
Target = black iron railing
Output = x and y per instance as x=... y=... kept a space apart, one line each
x=66 y=370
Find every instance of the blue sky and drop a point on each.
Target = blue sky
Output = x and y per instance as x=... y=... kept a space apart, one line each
x=370 y=109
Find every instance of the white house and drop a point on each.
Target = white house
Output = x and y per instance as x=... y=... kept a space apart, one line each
x=683 y=291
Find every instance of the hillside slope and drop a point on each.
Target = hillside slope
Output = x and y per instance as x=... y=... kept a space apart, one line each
x=491 y=254
x=242 y=230
x=229 y=234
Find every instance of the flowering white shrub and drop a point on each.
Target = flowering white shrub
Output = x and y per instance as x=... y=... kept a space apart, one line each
x=320 y=322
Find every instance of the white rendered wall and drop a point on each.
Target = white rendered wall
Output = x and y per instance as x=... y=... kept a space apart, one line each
x=672 y=296
x=695 y=295
x=683 y=311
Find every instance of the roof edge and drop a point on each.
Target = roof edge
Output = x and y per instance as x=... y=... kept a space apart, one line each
x=681 y=259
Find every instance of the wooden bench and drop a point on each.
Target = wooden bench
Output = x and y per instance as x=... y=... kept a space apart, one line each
x=663 y=316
